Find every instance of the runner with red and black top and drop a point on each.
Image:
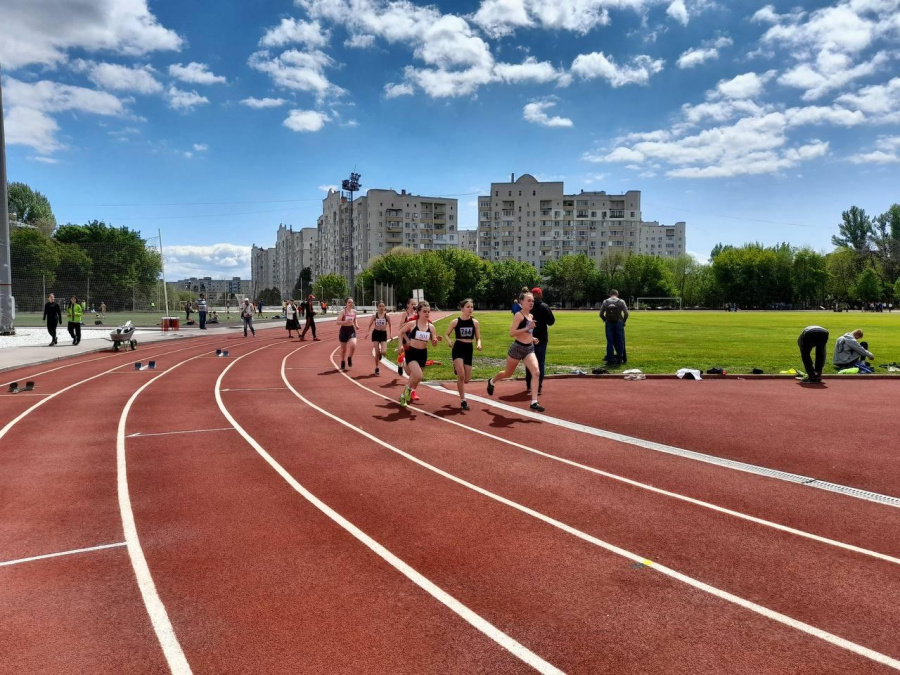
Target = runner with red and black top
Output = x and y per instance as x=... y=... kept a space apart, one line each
x=409 y=314
x=347 y=333
x=414 y=337
x=380 y=327
x=522 y=348
x=468 y=336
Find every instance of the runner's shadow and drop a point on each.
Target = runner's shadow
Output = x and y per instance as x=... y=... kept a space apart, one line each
x=813 y=385
x=329 y=372
x=520 y=396
x=395 y=412
x=502 y=422
x=449 y=411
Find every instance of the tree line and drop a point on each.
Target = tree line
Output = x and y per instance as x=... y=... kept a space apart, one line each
x=863 y=268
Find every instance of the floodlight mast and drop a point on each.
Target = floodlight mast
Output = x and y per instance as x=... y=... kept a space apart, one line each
x=7 y=302
x=351 y=185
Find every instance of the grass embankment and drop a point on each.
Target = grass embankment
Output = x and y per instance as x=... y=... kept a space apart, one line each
x=663 y=342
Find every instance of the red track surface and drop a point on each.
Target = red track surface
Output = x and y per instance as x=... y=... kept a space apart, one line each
x=254 y=577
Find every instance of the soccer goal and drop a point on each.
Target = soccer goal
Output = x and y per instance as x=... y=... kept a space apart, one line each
x=658 y=303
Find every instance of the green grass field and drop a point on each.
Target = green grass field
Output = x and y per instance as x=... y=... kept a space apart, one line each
x=663 y=342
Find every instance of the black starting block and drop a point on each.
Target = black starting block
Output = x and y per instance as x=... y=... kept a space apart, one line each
x=151 y=365
x=13 y=387
x=29 y=386
x=138 y=365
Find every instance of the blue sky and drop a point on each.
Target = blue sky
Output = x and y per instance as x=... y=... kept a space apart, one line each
x=216 y=121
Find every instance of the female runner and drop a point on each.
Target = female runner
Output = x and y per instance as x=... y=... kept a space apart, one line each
x=380 y=326
x=522 y=348
x=468 y=336
x=409 y=314
x=347 y=333
x=414 y=337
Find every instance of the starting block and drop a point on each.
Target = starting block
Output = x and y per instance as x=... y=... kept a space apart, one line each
x=29 y=386
x=13 y=387
x=138 y=365
x=218 y=352
x=221 y=352
x=151 y=365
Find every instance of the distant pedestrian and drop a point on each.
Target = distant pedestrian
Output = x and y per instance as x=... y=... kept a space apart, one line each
x=614 y=314
x=543 y=317
x=201 y=311
x=247 y=316
x=522 y=348
x=467 y=333
x=292 y=322
x=187 y=310
x=259 y=307
x=310 y=318
x=812 y=337
x=73 y=313
x=53 y=317
x=347 y=320
x=102 y=310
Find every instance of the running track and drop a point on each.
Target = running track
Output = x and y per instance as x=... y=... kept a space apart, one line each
x=266 y=513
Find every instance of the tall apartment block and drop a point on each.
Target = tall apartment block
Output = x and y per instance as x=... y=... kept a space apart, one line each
x=262 y=269
x=535 y=222
x=382 y=220
x=294 y=250
x=468 y=240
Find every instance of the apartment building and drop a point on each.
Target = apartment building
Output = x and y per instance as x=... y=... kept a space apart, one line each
x=216 y=290
x=382 y=220
x=262 y=269
x=468 y=240
x=294 y=250
x=535 y=222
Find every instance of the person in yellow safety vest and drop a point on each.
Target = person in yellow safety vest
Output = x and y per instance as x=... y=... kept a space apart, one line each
x=74 y=312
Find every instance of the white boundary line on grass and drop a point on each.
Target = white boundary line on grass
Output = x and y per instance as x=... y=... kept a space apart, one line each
x=417 y=578
x=690 y=581
x=643 y=486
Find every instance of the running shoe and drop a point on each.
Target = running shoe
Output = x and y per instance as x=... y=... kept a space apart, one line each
x=350 y=362
x=342 y=365
x=404 y=397
x=400 y=371
x=490 y=387
x=377 y=370
x=464 y=404
x=537 y=407
x=414 y=397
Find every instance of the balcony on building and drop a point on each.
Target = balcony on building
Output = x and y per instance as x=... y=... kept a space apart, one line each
x=393 y=214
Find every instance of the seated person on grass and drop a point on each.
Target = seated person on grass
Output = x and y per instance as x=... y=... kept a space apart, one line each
x=213 y=317
x=850 y=353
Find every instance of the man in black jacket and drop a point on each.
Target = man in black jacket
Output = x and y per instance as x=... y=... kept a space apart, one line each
x=53 y=317
x=543 y=317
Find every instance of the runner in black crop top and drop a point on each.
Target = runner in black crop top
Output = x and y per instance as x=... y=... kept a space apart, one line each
x=521 y=350
x=468 y=336
x=416 y=356
x=380 y=327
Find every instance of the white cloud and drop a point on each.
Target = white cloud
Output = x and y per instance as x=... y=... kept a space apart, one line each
x=184 y=100
x=115 y=77
x=679 y=12
x=258 y=103
x=836 y=28
x=875 y=157
x=201 y=147
x=530 y=70
x=694 y=57
x=28 y=120
x=359 y=41
x=43 y=31
x=44 y=160
x=881 y=101
x=748 y=85
x=188 y=154
x=502 y=17
x=536 y=113
x=597 y=64
x=218 y=261
x=830 y=71
x=768 y=15
x=595 y=178
x=292 y=31
x=195 y=73
x=305 y=121
x=394 y=90
x=301 y=71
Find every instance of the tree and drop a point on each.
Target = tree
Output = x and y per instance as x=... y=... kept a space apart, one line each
x=645 y=276
x=868 y=286
x=855 y=230
x=507 y=279
x=34 y=259
x=438 y=278
x=330 y=286
x=747 y=275
x=841 y=267
x=303 y=282
x=270 y=296
x=569 y=278
x=30 y=207
x=886 y=239
x=471 y=274
x=809 y=276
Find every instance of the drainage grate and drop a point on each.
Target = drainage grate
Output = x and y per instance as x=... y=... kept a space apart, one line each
x=853 y=492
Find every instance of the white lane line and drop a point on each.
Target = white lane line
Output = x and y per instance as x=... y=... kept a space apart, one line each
x=50 y=397
x=805 y=481
x=690 y=581
x=643 y=486
x=473 y=619
x=258 y=389
x=139 y=434
x=51 y=370
x=56 y=555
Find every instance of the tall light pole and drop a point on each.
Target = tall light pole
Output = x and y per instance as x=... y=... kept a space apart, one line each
x=351 y=185
x=7 y=302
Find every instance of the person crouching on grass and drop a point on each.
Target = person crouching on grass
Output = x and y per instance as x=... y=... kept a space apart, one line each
x=347 y=333
x=468 y=336
x=522 y=349
x=380 y=327
x=415 y=336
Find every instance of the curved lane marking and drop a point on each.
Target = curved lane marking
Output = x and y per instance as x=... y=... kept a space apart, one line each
x=643 y=486
x=410 y=573
x=801 y=626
